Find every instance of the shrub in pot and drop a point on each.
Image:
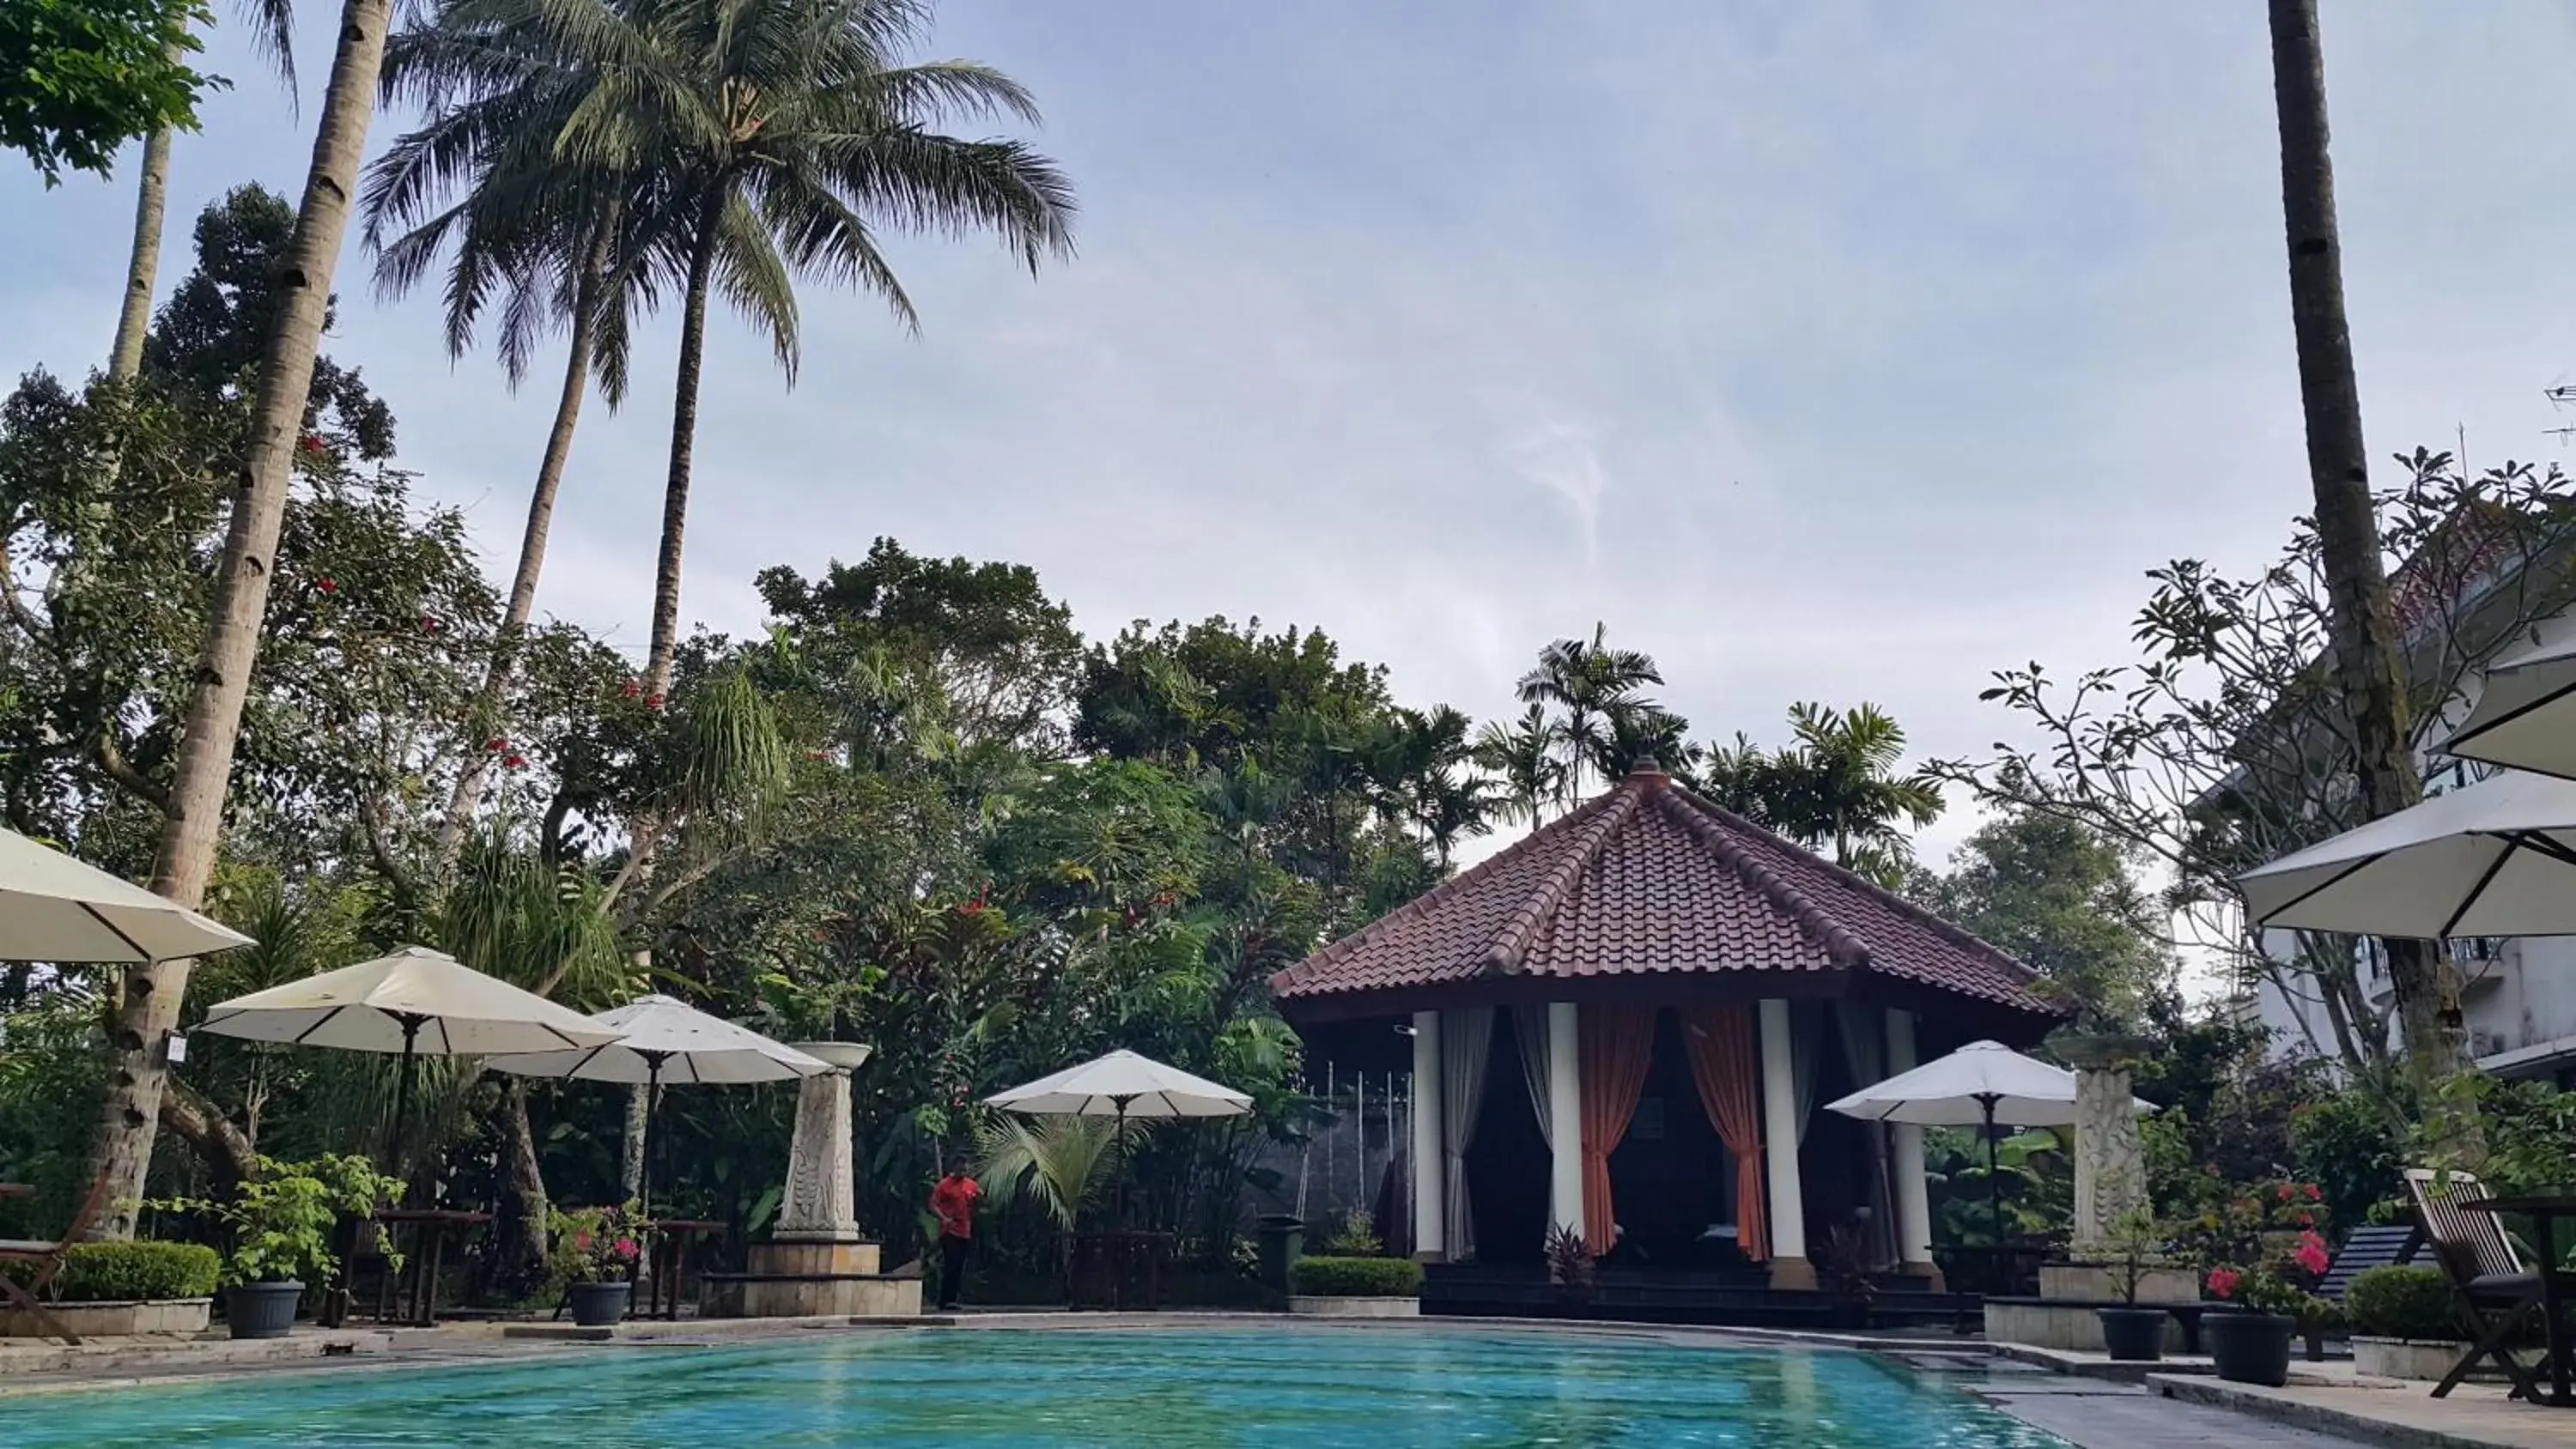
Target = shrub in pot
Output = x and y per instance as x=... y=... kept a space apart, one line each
x=592 y=1253
x=2131 y=1334
x=281 y=1222
x=2401 y=1302
x=133 y=1272
x=2252 y=1344
x=1355 y=1278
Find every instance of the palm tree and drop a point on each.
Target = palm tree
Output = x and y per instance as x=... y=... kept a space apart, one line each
x=483 y=184
x=1592 y=684
x=1522 y=759
x=272 y=24
x=2367 y=660
x=779 y=137
x=201 y=772
x=1841 y=786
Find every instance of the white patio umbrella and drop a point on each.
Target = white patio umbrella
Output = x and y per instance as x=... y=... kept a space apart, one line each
x=55 y=908
x=662 y=1039
x=2526 y=713
x=2494 y=858
x=1122 y=1085
x=416 y=1002
x=1980 y=1084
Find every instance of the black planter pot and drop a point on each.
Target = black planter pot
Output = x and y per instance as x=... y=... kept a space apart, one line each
x=262 y=1310
x=2250 y=1348
x=2133 y=1335
x=597 y=1305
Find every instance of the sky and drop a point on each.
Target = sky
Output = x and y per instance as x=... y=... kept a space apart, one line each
x=1823 y=349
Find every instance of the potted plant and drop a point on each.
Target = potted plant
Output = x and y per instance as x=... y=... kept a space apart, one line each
x=1569 y=1264
x=1844 y=1275
x=2252 y=1345
x=593 y=1256
x=281 y=1221
x=2131 y=1334
x=2404 y=1323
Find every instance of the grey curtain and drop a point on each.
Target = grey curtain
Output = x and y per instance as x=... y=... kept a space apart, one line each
x=1864 y=1050
x=1807 y=1029
x=1529 y=1023
x=1466 y=1048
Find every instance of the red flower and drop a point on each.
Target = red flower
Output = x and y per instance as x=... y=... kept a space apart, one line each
x=652 y=701
x=2222 y=1281
x=428 y=625
x=2307 y=1220
x=325 y=585
x=312 y=443
x=629 y=690
x=581 y=1241
x=2311 y=1253
x=515 y=762
x=496 y=744
x=2285 y=1192
x=2315 y=1193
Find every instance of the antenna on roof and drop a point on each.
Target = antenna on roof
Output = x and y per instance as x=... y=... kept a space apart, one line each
x=2561 y=395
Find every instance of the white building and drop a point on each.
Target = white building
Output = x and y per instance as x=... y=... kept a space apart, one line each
x=2520 y=996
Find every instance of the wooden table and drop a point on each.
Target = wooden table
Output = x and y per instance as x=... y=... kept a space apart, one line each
x=2545 y=1214
x=431 y=1228
x=670 y=1239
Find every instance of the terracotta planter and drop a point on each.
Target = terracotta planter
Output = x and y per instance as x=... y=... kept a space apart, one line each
x=2250 y=1348
x=2133 y=1335
x=262 y=1310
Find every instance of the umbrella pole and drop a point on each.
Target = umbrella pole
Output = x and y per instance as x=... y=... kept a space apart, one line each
x=652 y=1138
x=402 y=1101
x=1994 y=1184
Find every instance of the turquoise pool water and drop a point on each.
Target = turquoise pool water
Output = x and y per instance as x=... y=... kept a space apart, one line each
x=1291 y=1388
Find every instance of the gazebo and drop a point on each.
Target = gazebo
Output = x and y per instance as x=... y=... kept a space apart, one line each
x=1627 y=1024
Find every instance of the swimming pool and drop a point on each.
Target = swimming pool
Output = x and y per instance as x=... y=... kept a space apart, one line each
x=1054 y=1389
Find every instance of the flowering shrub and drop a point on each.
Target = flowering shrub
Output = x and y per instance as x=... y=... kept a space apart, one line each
x=2281 y=1280
x=594 y=1245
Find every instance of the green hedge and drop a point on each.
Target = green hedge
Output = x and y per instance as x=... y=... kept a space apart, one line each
x=126 y=1272
x=2396 y=1302
x=1355 y=1278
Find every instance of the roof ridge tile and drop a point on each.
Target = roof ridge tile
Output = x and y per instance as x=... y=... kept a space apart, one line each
x=1956 y=935
x=1842 y=944
x=1511 y=946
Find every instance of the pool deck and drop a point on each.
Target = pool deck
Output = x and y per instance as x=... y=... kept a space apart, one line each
x=2084 y=1399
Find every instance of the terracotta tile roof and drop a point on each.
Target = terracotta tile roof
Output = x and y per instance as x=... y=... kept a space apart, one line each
x=1651 y=878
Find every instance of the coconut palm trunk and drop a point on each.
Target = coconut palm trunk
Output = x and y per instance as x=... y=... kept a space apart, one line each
x=149 y=1004
x=143 y=264
x=532 y=552
x=684 y=434
x=2367 y=659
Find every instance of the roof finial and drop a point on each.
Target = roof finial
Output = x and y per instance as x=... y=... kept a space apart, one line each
x=1646 y=768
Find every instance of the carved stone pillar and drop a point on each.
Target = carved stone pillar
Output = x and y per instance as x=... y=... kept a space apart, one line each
x=821 y=1203
x=2110 y=1163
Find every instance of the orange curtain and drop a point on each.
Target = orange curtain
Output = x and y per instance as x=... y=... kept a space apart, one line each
x=1618 y=1042
x=1720 y=1043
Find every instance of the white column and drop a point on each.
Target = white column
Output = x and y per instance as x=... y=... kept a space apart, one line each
x=1430 y=1164
x=1913 y=1201
x=1565 y=1117
x=1789 y=1265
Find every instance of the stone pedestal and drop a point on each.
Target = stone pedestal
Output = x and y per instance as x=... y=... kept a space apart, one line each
x=2110 y=1164
x=815 y=1264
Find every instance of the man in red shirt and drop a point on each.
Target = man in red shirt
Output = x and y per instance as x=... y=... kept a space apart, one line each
x=953 y=1201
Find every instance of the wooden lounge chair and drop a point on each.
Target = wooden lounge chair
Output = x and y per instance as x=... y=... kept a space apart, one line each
x=2495 y=1294
x=47 y=1257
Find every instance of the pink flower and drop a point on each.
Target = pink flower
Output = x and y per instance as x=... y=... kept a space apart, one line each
x=652 y=701
x=629 y=690
x=2222 y=1281
x=2307 y=1220
x=515 y=762
x=2315 y=1194
x=325 y=585
x=2285 y=1192
x=624 y=1248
